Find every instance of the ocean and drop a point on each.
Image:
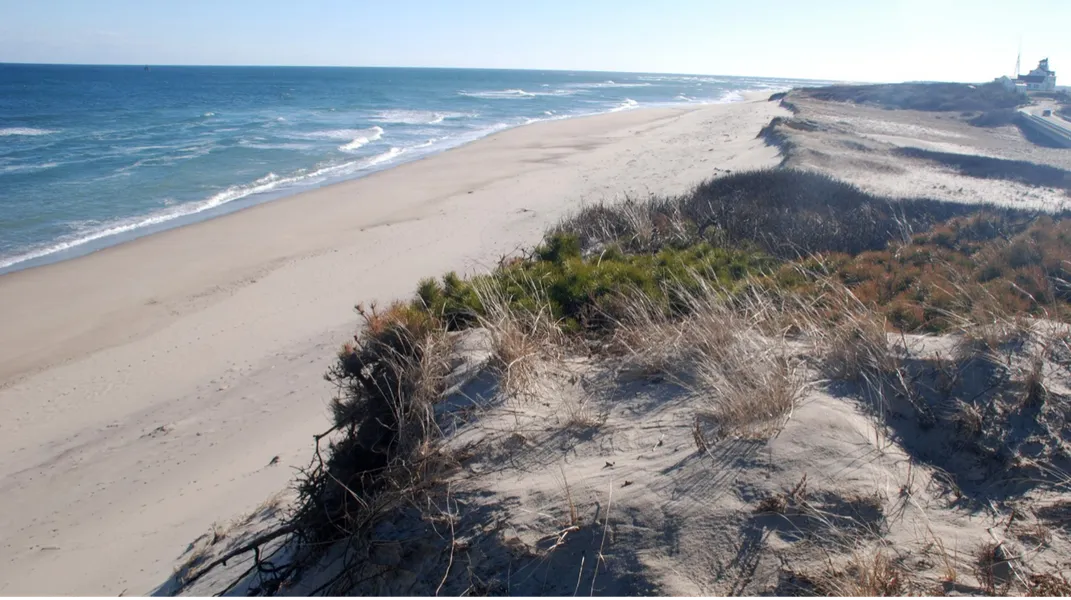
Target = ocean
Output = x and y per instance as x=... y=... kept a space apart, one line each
x=94 y=155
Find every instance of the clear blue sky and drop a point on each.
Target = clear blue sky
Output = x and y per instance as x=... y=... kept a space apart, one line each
x=864 y=40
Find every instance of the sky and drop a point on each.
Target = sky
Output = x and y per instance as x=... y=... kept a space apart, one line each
x=855 y=40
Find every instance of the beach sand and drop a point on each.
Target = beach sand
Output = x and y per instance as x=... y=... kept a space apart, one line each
x=144 y=389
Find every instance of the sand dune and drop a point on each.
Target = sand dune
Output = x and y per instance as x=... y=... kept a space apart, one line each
x=145 y=389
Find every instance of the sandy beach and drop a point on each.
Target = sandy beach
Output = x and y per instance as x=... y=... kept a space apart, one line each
x=146 y=388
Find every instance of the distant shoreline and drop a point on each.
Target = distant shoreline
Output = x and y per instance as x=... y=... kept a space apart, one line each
x=489 y=69
x=73 y=249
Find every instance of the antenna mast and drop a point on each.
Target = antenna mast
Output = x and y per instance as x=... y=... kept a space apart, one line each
x=1018 y=57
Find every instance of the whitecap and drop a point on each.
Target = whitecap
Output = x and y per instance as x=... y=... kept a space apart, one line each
x=368 y=137
x=261 y=145
x=610 y=83
x=28 y=131
x=499 y=94
x=338 y=134
x=629 y=103
x=731 y=96
x=24 y=168
x=417 y=117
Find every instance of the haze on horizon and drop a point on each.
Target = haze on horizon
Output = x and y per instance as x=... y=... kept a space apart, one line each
x=894 y=40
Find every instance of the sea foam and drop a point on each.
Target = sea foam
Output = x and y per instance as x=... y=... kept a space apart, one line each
x=511 y=94
x=418 y=117
x=337 y=134
x=268 y=183
x=25 y=168
x=28 y=131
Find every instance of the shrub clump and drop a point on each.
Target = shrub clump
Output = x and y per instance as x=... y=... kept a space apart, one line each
x=582 y=291
x=383 y=439
x=785 y=212
x=969 y=267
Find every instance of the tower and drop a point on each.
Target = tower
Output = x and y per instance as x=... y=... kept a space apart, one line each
x=1018 y=57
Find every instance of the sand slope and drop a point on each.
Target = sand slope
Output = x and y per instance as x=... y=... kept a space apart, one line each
x=905 y=153
x=145 y=389
x=591 y=482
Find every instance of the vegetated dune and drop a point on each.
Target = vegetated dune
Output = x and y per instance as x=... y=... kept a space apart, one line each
x=961 y=156
x=923 y=96
x=776 y=383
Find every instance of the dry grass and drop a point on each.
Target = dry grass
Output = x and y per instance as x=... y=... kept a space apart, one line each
x=968 y=419
x=1034 y=391
x=570 y=507
x=522 y=342
x=1035 y=532
x=780 y=503
x=577 y=411
x=854 y=345
x=193 y=560
x=755 y=389
x=994 y=568
x=749 y=380
x=272 y=507
x=775 y=504
x=867 y=574
x=200 y=552
x=985 y=328
x=638 y=225
x=988 y=337
x=949 y=570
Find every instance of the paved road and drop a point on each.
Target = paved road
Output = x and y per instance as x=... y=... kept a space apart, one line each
x=1053 y=119
x=1056 y=127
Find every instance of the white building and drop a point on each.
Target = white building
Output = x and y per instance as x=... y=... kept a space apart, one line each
x=1040 y=78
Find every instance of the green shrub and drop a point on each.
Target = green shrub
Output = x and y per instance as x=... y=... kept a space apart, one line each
x=455 y=302
x=559 y=247
x=579 y=290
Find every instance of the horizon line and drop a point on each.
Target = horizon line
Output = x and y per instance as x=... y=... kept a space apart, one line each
x=248 y=66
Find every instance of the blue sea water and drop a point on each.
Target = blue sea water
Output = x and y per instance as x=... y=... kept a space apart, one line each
x=94 y=155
